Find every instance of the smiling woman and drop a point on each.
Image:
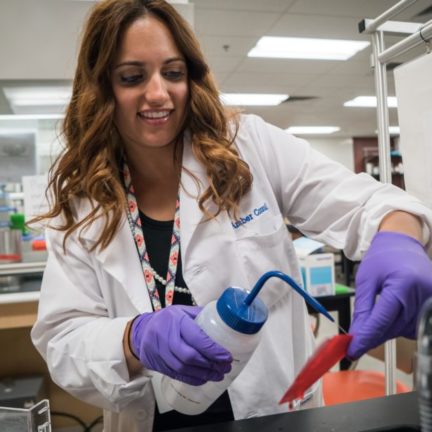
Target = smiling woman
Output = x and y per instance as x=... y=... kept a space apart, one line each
x=150 y=85
x=154 y=214
x=108 y=118
x=151 y=91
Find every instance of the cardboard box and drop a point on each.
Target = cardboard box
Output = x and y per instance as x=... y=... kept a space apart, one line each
x=317 y=268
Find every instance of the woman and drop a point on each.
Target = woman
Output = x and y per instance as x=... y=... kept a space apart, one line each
x=162 y=199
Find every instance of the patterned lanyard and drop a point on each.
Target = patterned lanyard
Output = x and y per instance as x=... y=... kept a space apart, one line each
x=137 y=232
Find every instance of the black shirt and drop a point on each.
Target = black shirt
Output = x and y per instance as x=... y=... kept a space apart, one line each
x=157 y=237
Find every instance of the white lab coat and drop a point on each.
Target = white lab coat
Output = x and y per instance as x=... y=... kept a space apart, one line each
x=88 y=297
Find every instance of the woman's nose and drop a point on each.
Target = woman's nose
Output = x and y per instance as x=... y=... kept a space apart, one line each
x=156 y=92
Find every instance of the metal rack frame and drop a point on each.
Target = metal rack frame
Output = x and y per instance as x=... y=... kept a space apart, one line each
x=380 y=58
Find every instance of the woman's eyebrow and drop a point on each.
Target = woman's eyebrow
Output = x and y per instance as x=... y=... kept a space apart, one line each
x=129 y=63
x=141 y=64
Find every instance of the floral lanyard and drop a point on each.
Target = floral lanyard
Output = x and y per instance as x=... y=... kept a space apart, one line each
x=137 y=232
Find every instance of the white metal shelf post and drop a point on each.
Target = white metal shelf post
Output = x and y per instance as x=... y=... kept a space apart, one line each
x=381 y=57
x=380 y=71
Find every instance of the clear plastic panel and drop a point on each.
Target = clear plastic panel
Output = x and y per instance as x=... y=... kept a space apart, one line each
x=35 y=419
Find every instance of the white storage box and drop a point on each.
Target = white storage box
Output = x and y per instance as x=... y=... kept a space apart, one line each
x=317 y=269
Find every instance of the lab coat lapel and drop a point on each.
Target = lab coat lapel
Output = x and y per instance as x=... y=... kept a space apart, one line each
x=193 y=183
x=120 y=259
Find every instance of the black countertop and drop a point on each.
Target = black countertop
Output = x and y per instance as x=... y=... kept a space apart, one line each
x=396 y=413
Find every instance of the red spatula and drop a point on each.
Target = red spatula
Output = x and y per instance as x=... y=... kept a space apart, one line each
x=325 y=357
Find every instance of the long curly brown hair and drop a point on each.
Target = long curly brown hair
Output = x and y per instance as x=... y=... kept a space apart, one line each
x=89 y=165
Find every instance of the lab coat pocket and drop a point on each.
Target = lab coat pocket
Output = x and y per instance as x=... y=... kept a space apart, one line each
x=265 y=250
x=264 y=230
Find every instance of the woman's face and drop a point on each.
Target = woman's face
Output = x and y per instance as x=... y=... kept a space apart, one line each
x=150 y=85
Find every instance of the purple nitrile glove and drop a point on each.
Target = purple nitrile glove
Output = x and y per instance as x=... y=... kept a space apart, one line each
x=396 y=267
x=169 y=341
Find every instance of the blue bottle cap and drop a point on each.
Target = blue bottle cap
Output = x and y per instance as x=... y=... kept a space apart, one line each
x=238 y=315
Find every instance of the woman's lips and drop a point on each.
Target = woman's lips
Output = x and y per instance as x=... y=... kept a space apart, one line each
x=155 y=117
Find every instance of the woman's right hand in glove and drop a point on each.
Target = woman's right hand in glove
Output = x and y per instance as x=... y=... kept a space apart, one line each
x=169 y=341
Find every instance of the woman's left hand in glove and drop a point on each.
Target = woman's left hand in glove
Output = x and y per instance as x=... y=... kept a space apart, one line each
x=397 y=269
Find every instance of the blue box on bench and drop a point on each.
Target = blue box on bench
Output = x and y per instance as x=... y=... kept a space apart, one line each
x=317 y=268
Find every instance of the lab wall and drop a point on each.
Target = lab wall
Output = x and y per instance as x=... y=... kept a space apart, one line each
x=338 y=149
x=415 y=121
x=49 y=146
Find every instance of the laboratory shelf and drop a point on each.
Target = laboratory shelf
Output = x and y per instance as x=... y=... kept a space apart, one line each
x=22 y=268
x=19 y=297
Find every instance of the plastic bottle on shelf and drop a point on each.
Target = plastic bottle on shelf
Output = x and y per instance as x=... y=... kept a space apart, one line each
x=234 y=321
x=17 y=221
x=5 y=207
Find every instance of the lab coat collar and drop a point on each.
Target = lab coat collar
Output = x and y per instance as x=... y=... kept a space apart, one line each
x=193 y=183
x=122 y=248
x=120 y=259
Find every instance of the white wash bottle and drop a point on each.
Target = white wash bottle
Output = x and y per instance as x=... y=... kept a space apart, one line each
x=234 y=322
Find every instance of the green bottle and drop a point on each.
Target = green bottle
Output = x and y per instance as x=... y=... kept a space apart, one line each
x=17 y=221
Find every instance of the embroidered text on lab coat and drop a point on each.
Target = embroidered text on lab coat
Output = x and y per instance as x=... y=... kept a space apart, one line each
x=258 y=211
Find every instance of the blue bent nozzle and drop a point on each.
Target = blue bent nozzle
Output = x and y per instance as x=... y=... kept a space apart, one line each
x=262 y=280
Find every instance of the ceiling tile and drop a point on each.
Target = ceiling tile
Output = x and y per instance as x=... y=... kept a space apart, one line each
x=224 y=64
x=265 y=82
x=317 y=26
x=287 y=66
x=45 y=34
x=348 y=8
x=249 y=5
x=227 y=46
x=214 y=22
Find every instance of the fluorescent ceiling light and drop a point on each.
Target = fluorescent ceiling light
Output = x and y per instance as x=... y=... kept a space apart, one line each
x=306 y=48
x=393 y=130
x=370 y=102
x=312 y=130
x=252 y=99
x=31 y=116
x=38 y=100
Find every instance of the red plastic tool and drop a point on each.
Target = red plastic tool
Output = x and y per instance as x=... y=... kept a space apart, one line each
x=325 y=357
